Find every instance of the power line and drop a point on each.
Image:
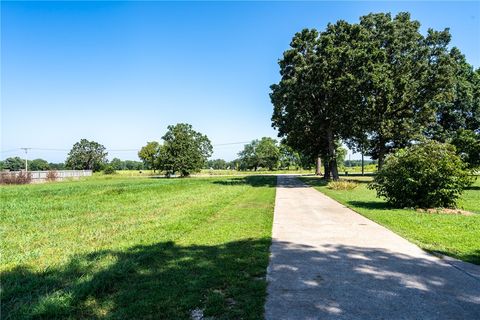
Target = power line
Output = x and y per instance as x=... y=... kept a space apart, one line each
x=114 y=150
x=230 y=143
x=10 y=150
x=49 y=149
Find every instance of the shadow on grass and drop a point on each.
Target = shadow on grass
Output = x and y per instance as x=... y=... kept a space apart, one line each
x=473 y=188
x=371 y=205
x=254 y=181
x=227 y=281
x=160 y=281
x=356 y=181
x=314 y=182
x=472 y=257
x=320 y=182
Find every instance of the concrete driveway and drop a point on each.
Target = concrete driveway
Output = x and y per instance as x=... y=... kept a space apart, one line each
x=328 y=262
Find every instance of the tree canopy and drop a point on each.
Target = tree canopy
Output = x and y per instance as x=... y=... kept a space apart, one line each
x=260 y=153
x=309 y=95
x=38 y=165
x=184 y=150
x=217 y=164
x=13 y=164
x=288 y=157
x=377 y=85
x=149 y=154
x=86 y=155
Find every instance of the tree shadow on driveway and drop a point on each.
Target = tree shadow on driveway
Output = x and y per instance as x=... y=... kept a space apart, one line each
x=353 y=282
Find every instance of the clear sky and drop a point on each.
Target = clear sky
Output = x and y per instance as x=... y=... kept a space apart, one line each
x=120 y=72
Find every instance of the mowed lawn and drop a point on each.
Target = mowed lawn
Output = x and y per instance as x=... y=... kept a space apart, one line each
x=453 y=235
x=136 y=248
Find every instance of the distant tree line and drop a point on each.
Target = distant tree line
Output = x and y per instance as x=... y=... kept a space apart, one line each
x=183 y=152
x=378 y=86
x=267 y=154
x=17 y=163
x=357 y=163
x=84 y=155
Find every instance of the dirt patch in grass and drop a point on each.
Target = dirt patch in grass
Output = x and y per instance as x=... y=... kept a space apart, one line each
x=446 y=211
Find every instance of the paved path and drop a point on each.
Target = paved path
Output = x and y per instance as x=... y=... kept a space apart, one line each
x=328 y=262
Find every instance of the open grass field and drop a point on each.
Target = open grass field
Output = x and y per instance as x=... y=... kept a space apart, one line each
x=208 y=172
x=358 y=169
x=453 y=235
x=143 y=248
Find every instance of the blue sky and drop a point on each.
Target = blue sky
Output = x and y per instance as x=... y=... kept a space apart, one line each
x=120 y=72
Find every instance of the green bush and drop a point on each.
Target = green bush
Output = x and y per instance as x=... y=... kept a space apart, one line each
x=426 y=175
x=109 y=170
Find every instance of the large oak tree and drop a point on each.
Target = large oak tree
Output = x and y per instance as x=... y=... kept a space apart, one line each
x=375 y=85
x=403 y=79
x=184 y=150
x=311 y=104
x=86 y=155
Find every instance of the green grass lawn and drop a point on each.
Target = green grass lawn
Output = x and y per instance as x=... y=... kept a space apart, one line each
x=358 y=169
x=453 y=235
x=136 y=248
x=207 y=172
x=251 y=172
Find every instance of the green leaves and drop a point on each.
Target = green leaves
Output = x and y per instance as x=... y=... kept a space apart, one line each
x=312 y=104
x=149 y=154
x=260 y=153
x=378 y=85
x=426 y=175
x=13 y=164
x=467 y=143
x=184 y=150
x=86 y=155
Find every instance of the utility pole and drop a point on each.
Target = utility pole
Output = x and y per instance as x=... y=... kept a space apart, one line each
x=26 y=157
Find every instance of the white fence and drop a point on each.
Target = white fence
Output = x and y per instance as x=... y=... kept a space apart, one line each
x=41 y=176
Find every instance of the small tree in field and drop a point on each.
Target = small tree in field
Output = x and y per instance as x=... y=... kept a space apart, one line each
x=87 y=155
x=184 y=150
x=149 y=154
x=260 y=153
x=426 y=175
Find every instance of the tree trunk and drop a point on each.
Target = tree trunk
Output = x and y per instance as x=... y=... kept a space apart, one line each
x=318 y=170
x=326 y=170
x=363 y=165
x=332 y=158
x=334 y=169
x=381 y=159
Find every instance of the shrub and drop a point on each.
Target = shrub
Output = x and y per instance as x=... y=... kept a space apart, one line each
x=342 y=185
x=52 y=175
x=15 y=177
x=109 y=170
x=426 y=175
